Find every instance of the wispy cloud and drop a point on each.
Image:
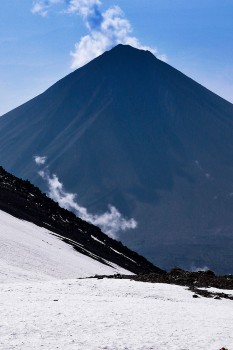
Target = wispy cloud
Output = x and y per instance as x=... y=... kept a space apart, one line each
x=40 y=160
x=106 y=28
x=42 y=7
x=83 y=7
x=110 y=222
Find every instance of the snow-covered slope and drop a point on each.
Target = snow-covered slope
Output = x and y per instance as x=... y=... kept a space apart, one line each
x=111 y=315
x=29 y=252
x=44 y=305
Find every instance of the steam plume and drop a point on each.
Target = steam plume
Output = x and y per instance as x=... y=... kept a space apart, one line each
x=106 y=29
x=110 y=222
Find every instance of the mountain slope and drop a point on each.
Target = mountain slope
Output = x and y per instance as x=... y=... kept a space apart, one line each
x=27 y=244
x=32 y=253
x=130 y=130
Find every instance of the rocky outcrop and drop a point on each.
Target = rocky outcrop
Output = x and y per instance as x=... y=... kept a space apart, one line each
x=193 y=280
x=25 y=201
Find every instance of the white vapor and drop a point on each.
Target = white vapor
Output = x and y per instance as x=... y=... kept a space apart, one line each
x=110 y=222
x=106 y=29
x=83 y=7
x=195 y=268
x=40 y=160
x=41 y=7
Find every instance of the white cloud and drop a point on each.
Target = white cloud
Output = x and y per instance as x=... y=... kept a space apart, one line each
x=110 y=222
x=83 y=7
x=40 y=160
x=106 y=29
x=88 y=48
x=41 y=7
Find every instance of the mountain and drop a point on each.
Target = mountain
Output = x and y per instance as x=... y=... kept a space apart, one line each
x=129 y=130
x=41 y=240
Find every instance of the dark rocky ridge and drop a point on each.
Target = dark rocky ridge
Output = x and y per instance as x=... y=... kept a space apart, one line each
x=193 y=280
x=131 y=131
x=25 y=201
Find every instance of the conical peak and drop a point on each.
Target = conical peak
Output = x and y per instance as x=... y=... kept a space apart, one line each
x=126 y=48
x=121 y=59
x=121 y=53
x=129 y=51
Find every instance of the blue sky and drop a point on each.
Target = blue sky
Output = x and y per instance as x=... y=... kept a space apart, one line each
x=43 y=40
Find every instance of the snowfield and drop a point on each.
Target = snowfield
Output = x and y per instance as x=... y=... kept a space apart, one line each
x=111 y=315
x=29 y=252
x=44 y=305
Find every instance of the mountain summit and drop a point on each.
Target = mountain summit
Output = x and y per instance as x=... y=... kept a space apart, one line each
x=130 y=130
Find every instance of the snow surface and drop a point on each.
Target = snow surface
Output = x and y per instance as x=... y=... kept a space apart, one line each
x=112 y=315
x=29 y=252
x=41 y=309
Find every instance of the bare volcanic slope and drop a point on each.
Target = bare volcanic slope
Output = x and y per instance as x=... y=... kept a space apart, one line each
x=24 y=201
x=130 y=130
